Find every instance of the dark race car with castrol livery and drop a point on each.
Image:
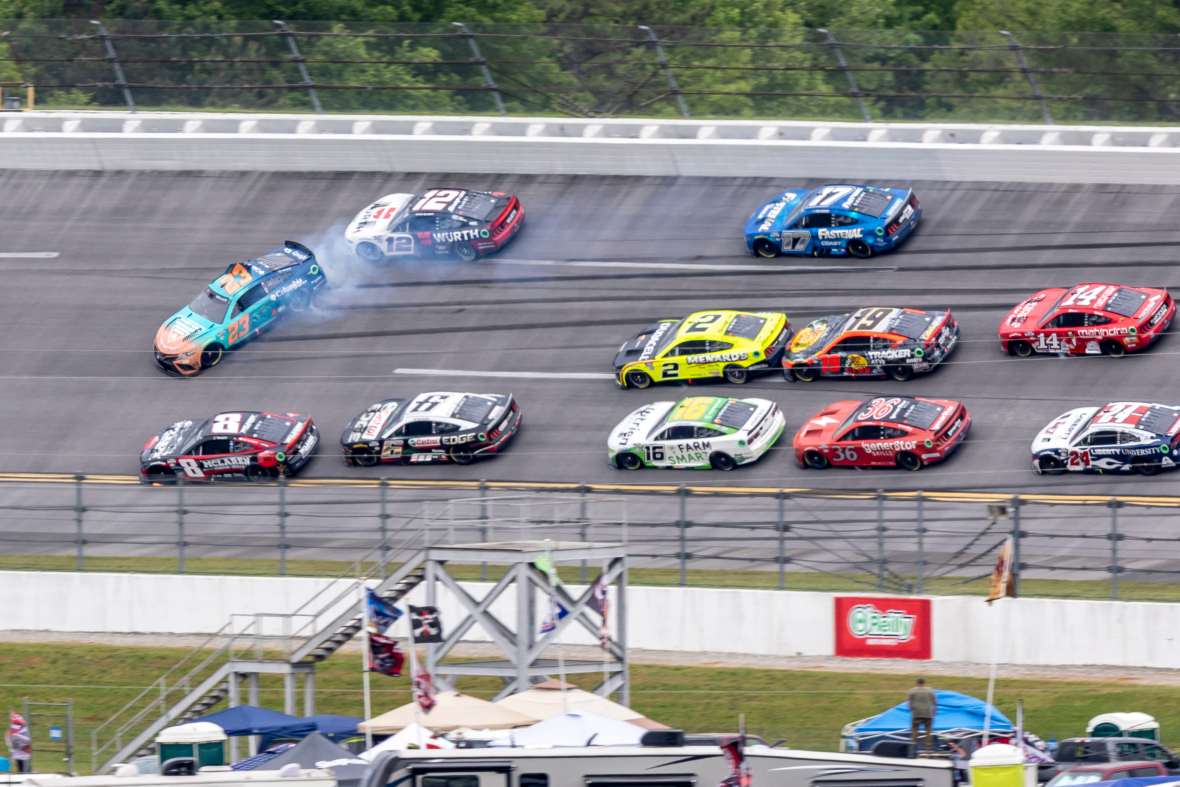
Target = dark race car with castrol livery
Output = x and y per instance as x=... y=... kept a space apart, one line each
x=440 y=426
x=834 y=220
x=884 y=341
x=237 y=446
x=438 y=222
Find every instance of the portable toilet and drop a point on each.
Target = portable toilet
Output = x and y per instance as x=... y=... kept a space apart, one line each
x=1120 y=725
x=998 y=765
x=204 y=741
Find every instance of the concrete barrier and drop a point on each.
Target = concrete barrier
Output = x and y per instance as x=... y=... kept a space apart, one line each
x=1032 y=631
x=735 y=148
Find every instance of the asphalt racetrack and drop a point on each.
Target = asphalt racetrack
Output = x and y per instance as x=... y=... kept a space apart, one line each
x=598 y=259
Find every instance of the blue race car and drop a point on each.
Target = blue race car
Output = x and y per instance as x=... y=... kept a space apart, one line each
x=1122 y=437
x=248 y=299
x=833 y=220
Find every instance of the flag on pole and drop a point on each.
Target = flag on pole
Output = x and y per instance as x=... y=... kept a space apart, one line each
x=421 y=683
x=381 y=613
x=425 y=624
x=735 y=755
x=385 y=657
x=556 y=613
x=600 y=603
x=1003 y=581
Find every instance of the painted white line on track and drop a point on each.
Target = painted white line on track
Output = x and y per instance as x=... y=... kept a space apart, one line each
x=30 y=255
x=689 y=266
x=538 y=375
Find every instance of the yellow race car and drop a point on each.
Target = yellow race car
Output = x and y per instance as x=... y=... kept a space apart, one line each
x=706 y=345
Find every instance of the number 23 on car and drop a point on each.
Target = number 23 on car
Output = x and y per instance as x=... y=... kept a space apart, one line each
x=888 y=431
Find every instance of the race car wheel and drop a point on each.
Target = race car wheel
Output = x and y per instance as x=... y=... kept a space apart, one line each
x=364 y=456
x=638 y=379
x=628 y=461
x=722 y=461
x=764 y=248
x=908 y=461
x=736 y=375
x=465 y=251
x=299 y=300
x=1020 y=348
x=369 y=252
x=211 y=355
x=815 y=460
x=1113 y=349
x=860 y=249
x=901 y=373
x=160 y=474
x=1051 y=465
x=1144 y=466
x=805 y=374
x=461 y=455
x=257 y=474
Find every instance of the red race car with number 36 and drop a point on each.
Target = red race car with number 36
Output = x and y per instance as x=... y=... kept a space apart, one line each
x=1089 y=319
x=894 y=431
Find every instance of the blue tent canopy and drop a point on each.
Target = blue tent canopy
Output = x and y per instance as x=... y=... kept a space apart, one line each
x=335 y=728
x=249 y=720
x=955 y=712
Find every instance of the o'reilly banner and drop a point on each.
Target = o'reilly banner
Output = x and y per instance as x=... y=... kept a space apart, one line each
x=883 y=628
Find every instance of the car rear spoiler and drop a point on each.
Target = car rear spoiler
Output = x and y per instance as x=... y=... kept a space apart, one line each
x=300 y=246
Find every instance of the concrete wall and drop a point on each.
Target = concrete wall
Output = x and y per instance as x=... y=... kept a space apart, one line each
x=794 y=149
x=1033 y=631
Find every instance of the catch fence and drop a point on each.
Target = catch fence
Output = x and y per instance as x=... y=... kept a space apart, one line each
x=593 y=71
x=899 y=542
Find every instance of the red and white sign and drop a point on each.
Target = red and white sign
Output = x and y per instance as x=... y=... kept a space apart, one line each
x=883 y=628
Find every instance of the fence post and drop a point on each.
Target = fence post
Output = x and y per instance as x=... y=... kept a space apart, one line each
x=1014 y=45
x=582 y=516
x=114 y=61
x=383 y=485
x=782 y=535
x=180 y=525
x=683 y=492
x=79 y=541
x=483 y=66
x=483 y=528
x=921 y=547
x=672 y=86
x=1114 y=547
x=301 y=63
x=834 y=45
x=880 y=540
x=282 y=526
x=1016 y=536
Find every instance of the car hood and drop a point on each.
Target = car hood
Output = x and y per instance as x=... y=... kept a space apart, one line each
x=1062 y=429
x=771 y=216
x=366 y=224
x=1027 y=314
x=180 y=332
x=374 y=422
x=643 y=345
x=635 y=428
x=171 y=442
x=815 y=336
x=821 y=427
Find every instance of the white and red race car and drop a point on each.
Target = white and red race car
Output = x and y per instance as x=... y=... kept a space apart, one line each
x=439 y=222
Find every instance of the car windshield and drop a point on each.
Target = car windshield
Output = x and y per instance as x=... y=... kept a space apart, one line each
x=210 y=305
x=667 y=338
x=1076 y=778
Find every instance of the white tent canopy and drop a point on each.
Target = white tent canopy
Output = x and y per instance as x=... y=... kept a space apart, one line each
x=576 y=728
x=546 y=700
x=451 y=711
x=414 y=736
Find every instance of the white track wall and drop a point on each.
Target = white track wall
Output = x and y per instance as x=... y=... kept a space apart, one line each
x=1032 y=631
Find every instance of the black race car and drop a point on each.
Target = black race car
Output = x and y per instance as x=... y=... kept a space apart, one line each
x=229 y=447
x=431 y=427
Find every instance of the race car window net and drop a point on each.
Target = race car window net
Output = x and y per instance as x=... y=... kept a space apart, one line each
x=478 y=205
x=271 y=283
x=747 y=326
x=1126 y=302
x=912 y=324
x=1158 y=420
x=474 y=409
x=872 y=203
x=210 y=305
x=823 y=220
x=275 y=262
x=735 y=414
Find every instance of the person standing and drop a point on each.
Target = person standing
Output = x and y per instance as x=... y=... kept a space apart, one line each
x=20 y=743
x=923 y=704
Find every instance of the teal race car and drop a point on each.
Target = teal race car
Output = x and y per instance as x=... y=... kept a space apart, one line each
x=249 y=298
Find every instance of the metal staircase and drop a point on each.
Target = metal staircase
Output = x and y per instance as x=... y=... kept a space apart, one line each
x=290 y=645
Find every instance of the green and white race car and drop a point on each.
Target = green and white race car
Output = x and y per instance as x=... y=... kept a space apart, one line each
x=700 y=432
